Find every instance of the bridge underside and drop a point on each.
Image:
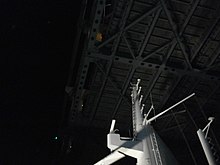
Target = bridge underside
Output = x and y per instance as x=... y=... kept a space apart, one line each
x=171 y=45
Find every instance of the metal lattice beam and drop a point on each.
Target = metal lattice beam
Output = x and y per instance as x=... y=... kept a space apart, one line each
x=174 y=42
x=146 y=39
x=131 y=73
x=129 y=47
x=123 y=22
x=157 y=50
x=152 y=83
x=118 y=38
x=130 y=25
x=189 y=16
x=166 y=69
x=125 y=86
x=84 y=64
x=204 y=40
x=178 y=39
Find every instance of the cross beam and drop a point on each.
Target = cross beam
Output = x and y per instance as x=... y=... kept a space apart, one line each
x=174 y=28
x=151 y=65
x=130 y=25
x=118 y=37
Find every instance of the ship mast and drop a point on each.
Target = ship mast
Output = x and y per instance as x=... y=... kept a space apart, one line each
x=136 y=108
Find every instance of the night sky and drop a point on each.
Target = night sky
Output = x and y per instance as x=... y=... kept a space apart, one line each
x=36 y=48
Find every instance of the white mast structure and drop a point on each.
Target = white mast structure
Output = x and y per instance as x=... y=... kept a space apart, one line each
x=146 y=146
x=205 y=145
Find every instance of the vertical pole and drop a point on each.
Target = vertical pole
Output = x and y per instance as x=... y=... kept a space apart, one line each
x=138 y=117
x=206 y=148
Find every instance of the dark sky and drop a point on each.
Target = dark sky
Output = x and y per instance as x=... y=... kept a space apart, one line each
x=36 y=46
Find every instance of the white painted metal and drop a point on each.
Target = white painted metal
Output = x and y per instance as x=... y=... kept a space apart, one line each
x=145 y=146
x=160 y=114
x=156 y=149
x=112 y=126
x=208 y=126
x=205 y=145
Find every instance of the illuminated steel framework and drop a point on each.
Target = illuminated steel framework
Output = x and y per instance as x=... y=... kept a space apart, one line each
x=172 y=45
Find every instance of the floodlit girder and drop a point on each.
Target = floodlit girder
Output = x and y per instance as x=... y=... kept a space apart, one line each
x=176 y=82
x=75 y=106
x=174 y=42
x=122 y=26
x=129 y=47
x=165 y=59
x=131 y=73
x=111 y=61
x=210 y=30
x=130 y=25
x=84 y=63
x=150 y=65
x=97 y=18
x=174 y=28
x=157 y=50
x=146 y=39
x=71 y=77
x=189 y=16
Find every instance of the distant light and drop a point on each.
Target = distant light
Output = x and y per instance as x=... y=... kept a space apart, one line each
x=55 y=137
x=99 y=37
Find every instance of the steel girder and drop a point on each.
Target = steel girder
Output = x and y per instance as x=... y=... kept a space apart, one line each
x=129 y=47
x=151 y=65
x=210 y=30
x=177 y=36
x=161 y=68
x=174 y=42
x=85 y=63
x=131 y=73
x=166 y=97
x=130 y=25
x=146 y=39
x=118 y=37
